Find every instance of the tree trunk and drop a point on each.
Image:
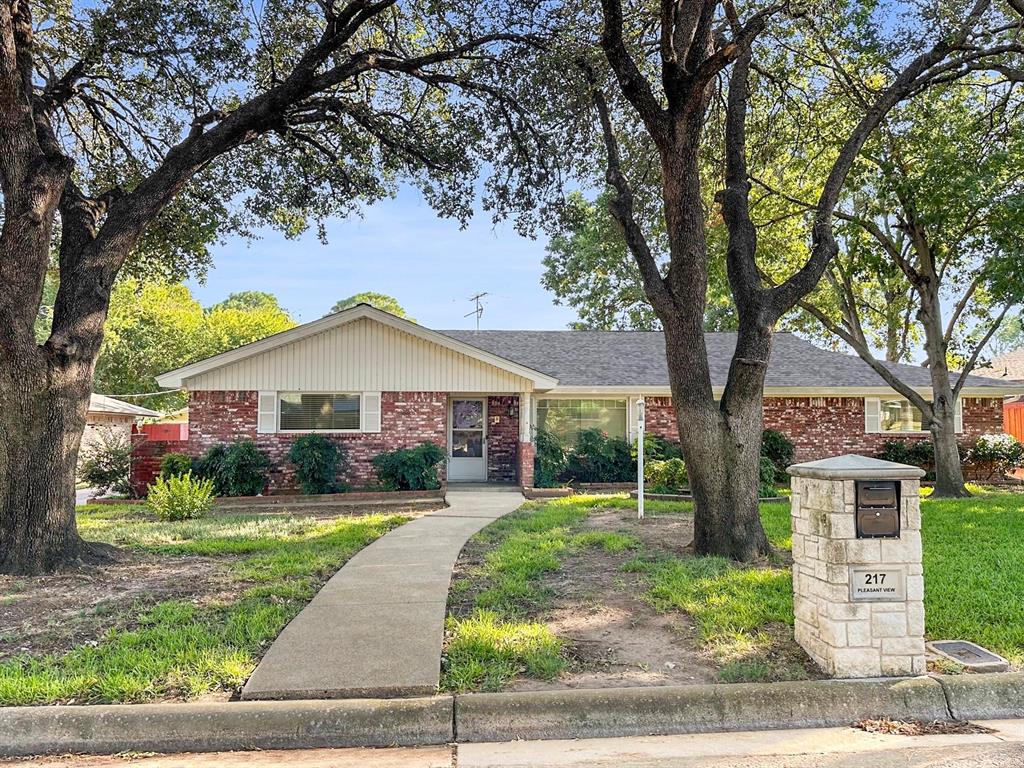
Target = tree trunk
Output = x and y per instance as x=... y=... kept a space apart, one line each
x=722 y=450
x=949 y=474
x=42 y=417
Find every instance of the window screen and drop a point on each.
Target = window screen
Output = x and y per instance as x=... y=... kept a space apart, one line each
x=899 y=416
x=319 y=411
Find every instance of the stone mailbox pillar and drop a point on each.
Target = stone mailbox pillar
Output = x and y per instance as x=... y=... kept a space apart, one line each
x=858 y=585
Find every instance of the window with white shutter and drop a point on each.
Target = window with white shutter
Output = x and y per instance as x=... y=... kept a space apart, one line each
x=872 y=409
x=371 y=411
x=266 y=419
x=958 y=418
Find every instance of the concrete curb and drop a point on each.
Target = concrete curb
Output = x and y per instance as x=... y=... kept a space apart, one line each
x=108 y=729
x=984 y=697
x=481 y=717
x=580 y=714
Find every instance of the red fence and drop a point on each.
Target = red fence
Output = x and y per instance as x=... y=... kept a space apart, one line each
x=1013 y=419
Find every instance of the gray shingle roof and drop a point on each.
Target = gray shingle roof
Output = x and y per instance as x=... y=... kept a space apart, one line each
x=637 y=358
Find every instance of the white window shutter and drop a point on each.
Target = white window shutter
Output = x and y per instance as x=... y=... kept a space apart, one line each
x=872 y=414
x=266 y=420
x=958 y=416
x=370 y=403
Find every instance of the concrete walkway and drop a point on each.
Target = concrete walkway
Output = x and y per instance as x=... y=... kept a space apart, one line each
x=376 y=628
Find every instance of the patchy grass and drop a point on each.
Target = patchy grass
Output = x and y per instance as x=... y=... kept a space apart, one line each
x=743 y=614
x=190 y=648
x=485 y=653
x=497 y=642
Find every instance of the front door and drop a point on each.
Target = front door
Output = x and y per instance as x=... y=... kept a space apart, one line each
x=467 y=444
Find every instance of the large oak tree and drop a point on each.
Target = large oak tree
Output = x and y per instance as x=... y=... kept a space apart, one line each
x=137 y=127
x=666 y=67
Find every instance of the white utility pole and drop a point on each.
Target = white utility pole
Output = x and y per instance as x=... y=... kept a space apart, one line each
x=640 y=459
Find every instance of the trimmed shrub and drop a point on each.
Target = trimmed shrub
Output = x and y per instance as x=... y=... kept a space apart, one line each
x=996 y=454
x=549 y=460
x=107 y=463
x=180 y=497
x=766 y=485
x=780 y=450
x=410 y=469
x=236 y=470
x=597 y=458
x=668 y=476
x=317 y=462
x=175 y=465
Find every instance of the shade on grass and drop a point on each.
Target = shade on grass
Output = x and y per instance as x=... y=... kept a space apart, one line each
x=176 y=648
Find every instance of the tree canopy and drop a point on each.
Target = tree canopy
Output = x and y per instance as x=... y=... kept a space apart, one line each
x=374 y=299
x=155 y=327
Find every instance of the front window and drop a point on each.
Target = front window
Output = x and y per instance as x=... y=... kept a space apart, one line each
x=899 y=416
x=315 y=411
x=567 y=418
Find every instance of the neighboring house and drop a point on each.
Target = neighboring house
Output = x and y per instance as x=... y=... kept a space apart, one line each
x=106 y=414
x=1009 y=368
x=375 y=382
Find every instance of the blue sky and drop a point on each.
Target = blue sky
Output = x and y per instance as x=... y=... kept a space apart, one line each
x=399 y=247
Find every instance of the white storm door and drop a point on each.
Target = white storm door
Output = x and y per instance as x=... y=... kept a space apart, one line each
x=467 y=443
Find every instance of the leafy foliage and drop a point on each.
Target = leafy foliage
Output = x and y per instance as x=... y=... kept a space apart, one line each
x=175 y=465
x=239 y=469
x=107 y=462
x=917 y=453
x=780 y=450
x=154 y=327
x=597 y=458
x=658 y=448
x=410 y=469
x=549 y=459
x=318 y=462
x=666 y=476
x=766 y=478
x=379 y=300
x=180 y=497
x=997 y=454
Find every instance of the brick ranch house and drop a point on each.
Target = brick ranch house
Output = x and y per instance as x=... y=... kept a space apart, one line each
x=375 y=382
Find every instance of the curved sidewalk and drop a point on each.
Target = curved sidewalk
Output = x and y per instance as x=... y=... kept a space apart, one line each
x=376 y=627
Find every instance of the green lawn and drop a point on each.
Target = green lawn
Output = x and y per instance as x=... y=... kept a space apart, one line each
x=973 y=550
x=273 y=565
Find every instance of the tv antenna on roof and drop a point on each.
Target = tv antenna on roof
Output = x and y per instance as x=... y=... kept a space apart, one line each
x=479 y=309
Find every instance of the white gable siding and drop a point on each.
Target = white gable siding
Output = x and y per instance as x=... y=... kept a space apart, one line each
x=357 y=357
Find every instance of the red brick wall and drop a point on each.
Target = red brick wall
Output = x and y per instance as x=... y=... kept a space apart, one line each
x=502 y=438
x=830 y=426
x=527 y=453
x=407 y=419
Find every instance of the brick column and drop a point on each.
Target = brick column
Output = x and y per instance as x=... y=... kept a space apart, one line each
x=858 y=601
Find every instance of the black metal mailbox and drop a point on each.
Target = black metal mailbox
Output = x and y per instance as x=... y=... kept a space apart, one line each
x=878 y=509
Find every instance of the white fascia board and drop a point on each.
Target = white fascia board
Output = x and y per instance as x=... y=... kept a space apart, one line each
x=177 y=377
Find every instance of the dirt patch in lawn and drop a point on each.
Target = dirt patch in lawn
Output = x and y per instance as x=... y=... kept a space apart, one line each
x=53 y=614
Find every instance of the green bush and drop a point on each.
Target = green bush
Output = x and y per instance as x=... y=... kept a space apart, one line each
x=766 y=485
x=180 y=497
x=778 y=448
x=668 y=476
x=236 y=470
x=996 y=454
x=175 y=465
x=410 y=469
x=917 y=453
x=658 y=448
x=107 y=462
x=549 y=460
x=317 y=462
x=597 y=458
